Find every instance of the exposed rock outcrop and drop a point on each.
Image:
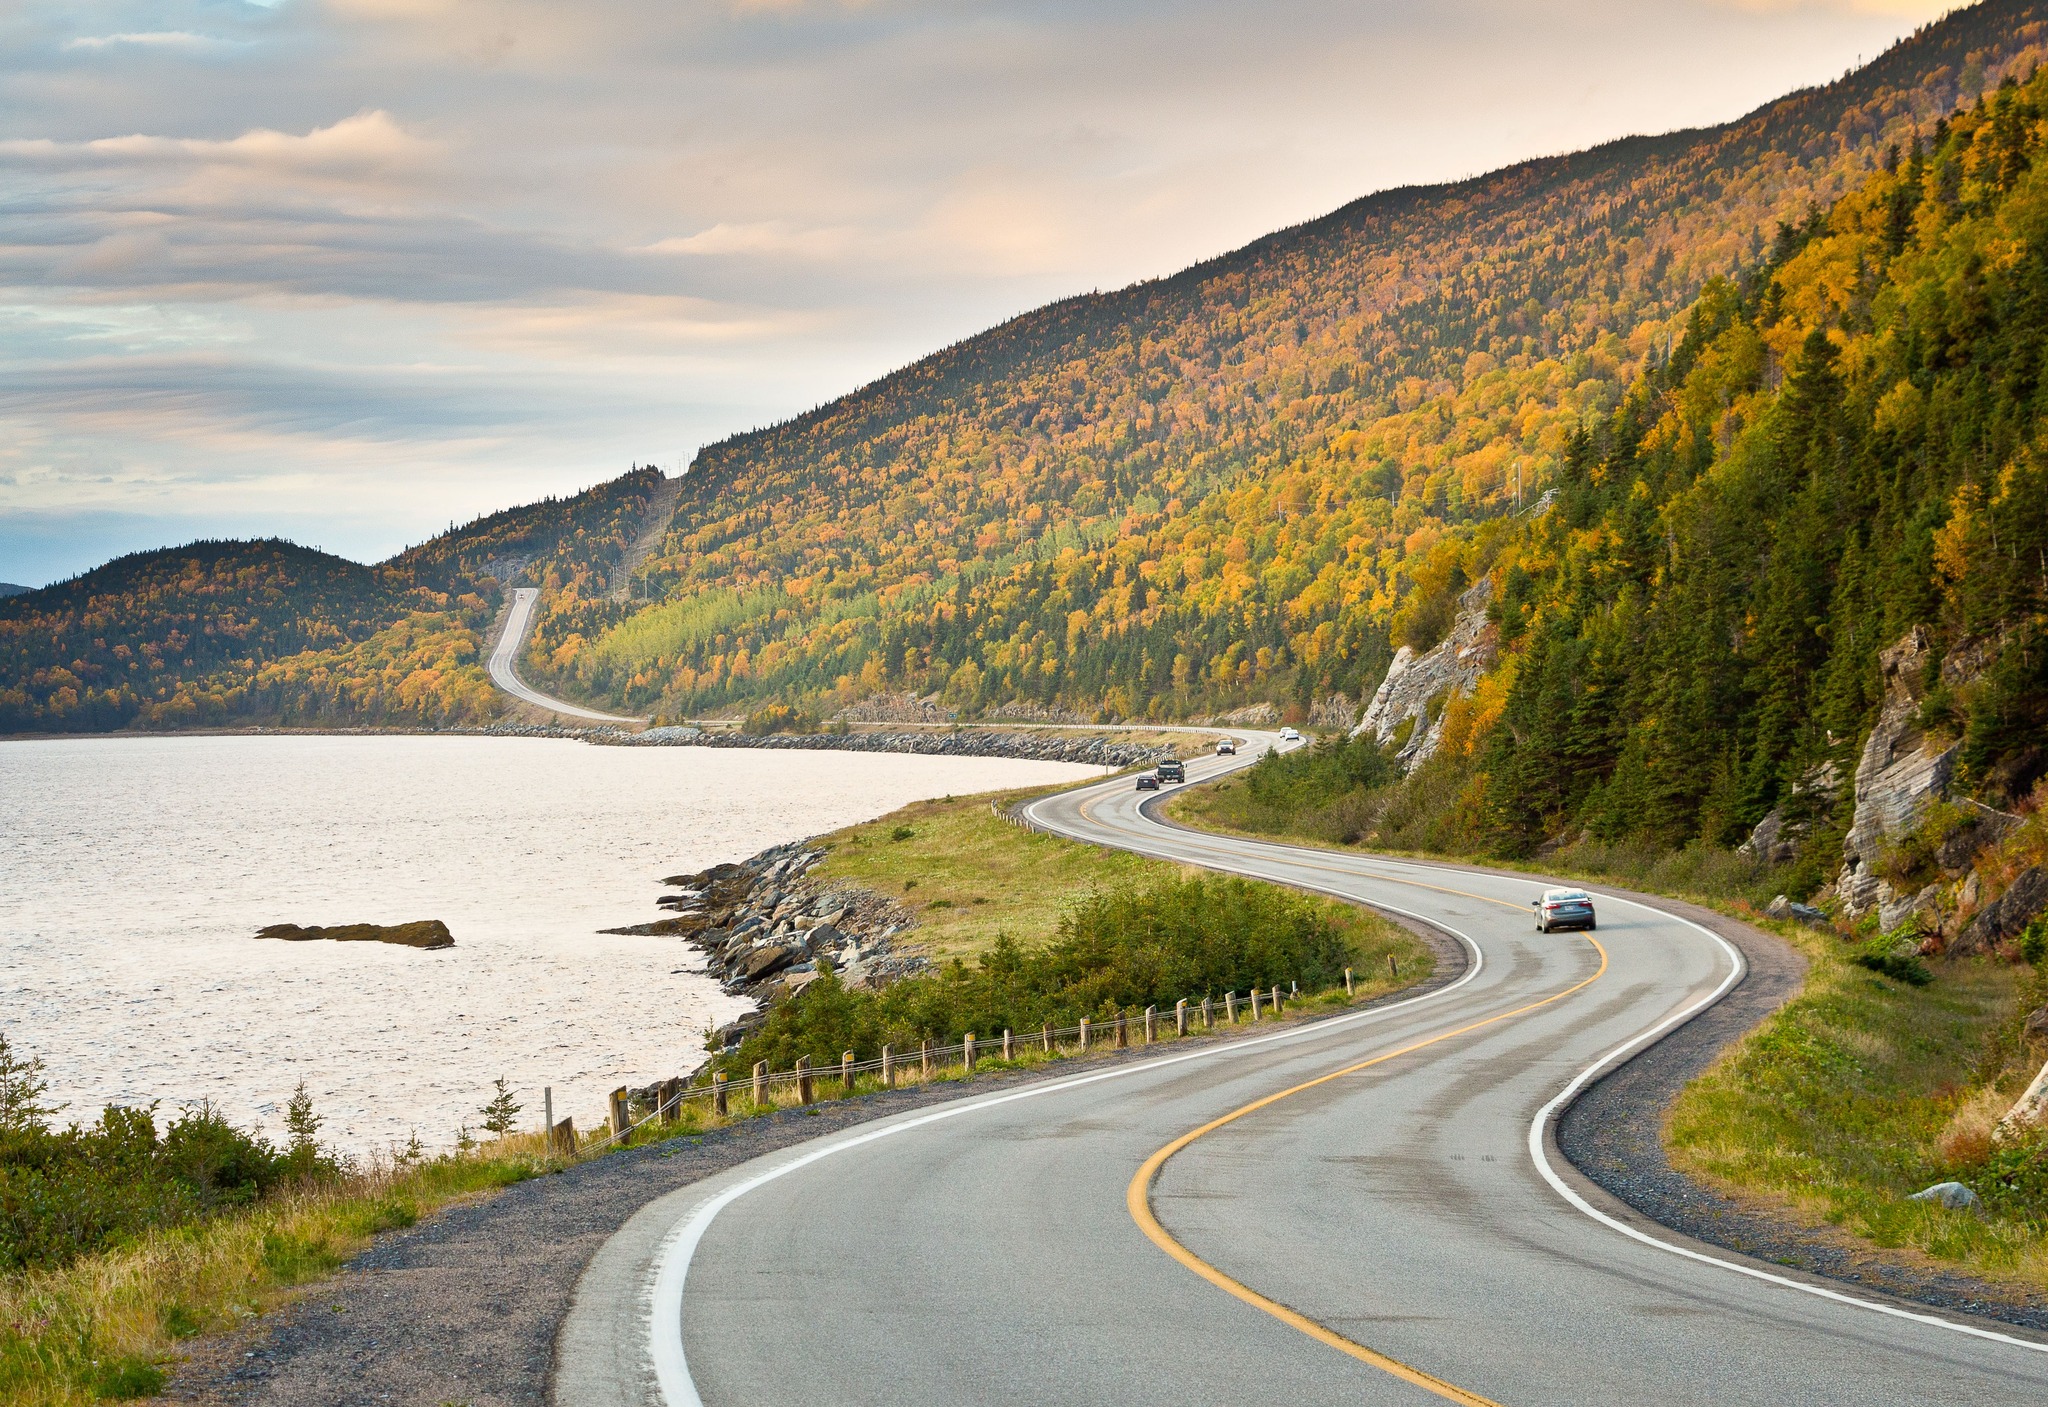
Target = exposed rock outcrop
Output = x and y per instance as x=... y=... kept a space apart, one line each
x=425 y=933
x=1776 y=838
x=1902 y=772
x=2005 y=916
x=1334 y=713
x=896 y=708
x=1258 y=715
x=1415 y=683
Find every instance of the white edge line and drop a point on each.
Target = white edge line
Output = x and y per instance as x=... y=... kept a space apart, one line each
x=1545 y=1115
x=665 y=1304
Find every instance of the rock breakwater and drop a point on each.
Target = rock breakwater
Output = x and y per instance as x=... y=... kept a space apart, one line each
x=767 y=931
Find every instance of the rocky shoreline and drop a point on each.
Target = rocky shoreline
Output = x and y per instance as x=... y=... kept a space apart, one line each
x=967 y=742
x=767 y=932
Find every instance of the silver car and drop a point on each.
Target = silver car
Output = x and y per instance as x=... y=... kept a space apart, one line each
x=1563 y=908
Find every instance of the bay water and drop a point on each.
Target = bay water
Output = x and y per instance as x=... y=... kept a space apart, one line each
x=134 y=873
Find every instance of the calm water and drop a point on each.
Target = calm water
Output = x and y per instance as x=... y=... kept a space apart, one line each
x=133 y=872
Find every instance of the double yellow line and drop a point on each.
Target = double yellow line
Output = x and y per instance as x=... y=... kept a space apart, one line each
x=1138 y=1195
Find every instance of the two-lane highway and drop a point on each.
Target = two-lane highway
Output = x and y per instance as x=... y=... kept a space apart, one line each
x=504 y=664
x=1350 y=1211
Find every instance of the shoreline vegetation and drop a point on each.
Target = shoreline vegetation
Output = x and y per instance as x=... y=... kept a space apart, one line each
x=1874 y=1083
x=101 y=1293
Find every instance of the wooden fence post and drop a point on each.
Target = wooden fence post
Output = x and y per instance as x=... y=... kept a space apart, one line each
x=760 y=1082
x=846 y=1070
x=1230 y=1007
x=1393 y=968
x=803 y=1079
x=1180 y=1017
x=1151 y=1024
x=1276 y=999
x=1255 y=1004
x=888 y=1067
x=1123 y=1032
x=967 y=1052
x=1046 y=1036
x=1208 y=1015
x=621 y=1119
x=1084 y=1035
x=719 y=1103
x=1347 y=983
x=564 y=1137
x=924 y=1051
x=547 y=1109
x=1009 y=1050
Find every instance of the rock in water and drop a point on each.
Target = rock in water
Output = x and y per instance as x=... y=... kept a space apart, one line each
x=425 y=933
x=1952 y=1195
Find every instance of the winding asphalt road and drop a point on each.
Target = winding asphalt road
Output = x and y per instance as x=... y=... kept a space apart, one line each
x=1361 y=1210
x=506 y=677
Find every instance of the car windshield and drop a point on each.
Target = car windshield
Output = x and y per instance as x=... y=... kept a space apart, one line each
x=1564 y=896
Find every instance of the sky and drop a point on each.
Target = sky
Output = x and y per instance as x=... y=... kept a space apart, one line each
x=347 y=271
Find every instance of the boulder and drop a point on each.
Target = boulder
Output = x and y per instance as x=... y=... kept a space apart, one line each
x=2035 y=1027
x=765 y=962
x=1782 y=907
x=1414 y=682
x=425 y=933
x=2006 y=915
x=1953 y=1195
x=825 y=935
x=2028 y=1113
x=1900 y=774
x=681 y=926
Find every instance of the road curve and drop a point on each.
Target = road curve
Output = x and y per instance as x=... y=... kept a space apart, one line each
x=506 y=677
x=1367 y=1212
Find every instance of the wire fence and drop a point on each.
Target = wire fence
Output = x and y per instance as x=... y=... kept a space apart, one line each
x=717 y=1094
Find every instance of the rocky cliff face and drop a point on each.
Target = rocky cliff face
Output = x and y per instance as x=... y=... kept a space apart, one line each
x=1418 y=686
x=1902 y=772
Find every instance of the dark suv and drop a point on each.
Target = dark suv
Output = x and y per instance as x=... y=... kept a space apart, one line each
x=1172 y=772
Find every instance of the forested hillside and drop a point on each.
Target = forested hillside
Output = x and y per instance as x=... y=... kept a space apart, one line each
x=1220 y=487
x=1843 y=454
x=223 y=632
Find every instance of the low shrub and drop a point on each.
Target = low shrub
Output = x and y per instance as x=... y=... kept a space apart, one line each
x=1115 y=951
x=1881 y=955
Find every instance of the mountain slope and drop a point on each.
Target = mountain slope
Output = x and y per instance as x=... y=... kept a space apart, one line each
x=267 y=631
x=1826 y=514
x=1218 y=486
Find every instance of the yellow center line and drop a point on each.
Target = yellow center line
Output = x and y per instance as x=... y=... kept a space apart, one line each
x=1138 y=1197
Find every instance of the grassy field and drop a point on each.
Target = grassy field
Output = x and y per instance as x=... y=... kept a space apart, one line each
x=968 y=874
x=1864 y=1090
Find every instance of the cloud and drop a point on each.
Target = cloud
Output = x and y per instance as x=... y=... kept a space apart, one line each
x=368 y=142
x=152 y=39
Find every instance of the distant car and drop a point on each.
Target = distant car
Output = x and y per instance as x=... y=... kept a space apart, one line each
x=1226 y=748
x=1563 y=908
x=1148 y=781
x=1172 y=772
x=1289 y=735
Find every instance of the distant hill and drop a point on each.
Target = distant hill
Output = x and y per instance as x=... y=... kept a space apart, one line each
x=222 y=632
x=8 y=588
x=1211 y=488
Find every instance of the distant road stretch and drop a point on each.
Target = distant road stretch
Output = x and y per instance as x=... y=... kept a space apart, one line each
x=1364 y=1210
x=507 y=678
